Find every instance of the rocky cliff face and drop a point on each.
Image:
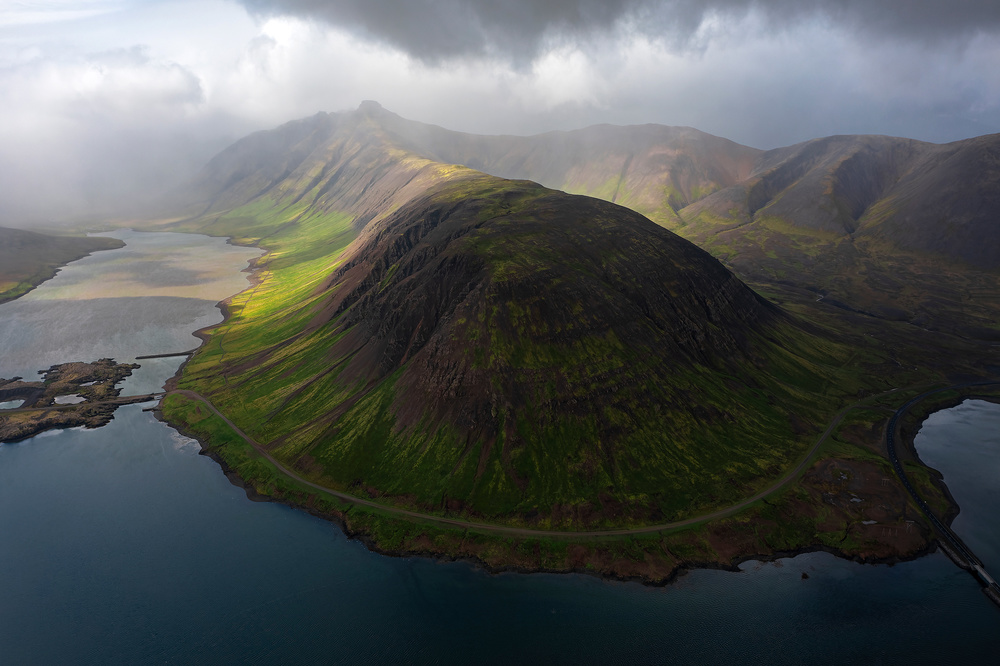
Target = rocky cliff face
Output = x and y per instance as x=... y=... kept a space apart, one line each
x=461 y=286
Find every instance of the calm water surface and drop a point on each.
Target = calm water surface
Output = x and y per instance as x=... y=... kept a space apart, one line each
x=146 y=298
x=963 y=443
x=122 y=545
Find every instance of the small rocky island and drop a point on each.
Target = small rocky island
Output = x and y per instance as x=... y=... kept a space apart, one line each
x=69 y=395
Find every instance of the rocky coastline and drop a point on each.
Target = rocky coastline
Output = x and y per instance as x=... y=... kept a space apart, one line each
x=68 y=396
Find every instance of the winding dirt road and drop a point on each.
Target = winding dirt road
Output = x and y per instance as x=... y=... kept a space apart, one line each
x=525 y=531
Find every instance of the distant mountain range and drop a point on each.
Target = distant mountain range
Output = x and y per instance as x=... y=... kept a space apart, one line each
x=895 y=228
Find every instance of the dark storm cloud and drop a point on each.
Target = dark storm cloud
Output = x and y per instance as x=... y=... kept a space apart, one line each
x=433 y=30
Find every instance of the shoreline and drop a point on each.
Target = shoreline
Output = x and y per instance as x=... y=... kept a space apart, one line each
x=679 y=570
x=907 y=435
x=38 y=280
x=614 y=570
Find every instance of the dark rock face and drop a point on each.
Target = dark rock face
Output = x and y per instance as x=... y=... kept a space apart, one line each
x=462 y=290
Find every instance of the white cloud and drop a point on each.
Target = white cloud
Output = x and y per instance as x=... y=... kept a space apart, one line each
x=54 y=11
x=123 y=85
x=76 y=130
x=132 y=97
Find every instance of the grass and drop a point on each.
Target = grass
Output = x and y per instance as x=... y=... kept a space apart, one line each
x=671 y=461
x=789 y=520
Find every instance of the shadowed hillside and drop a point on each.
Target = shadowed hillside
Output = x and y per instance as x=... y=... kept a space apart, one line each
x=894 y=228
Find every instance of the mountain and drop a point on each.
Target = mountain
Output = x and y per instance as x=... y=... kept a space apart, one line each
x=453 y=341
x=28 y=258
x=654 y=169
x=894 y=228
x=932 y=199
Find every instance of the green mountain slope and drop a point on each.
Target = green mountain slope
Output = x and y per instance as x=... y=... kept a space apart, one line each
x=27 y=258
x=892 y=227
x=453 y=341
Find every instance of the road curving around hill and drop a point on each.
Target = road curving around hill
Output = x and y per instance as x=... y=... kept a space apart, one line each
x=527 y=531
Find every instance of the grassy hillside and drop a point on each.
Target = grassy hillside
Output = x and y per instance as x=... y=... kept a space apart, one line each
x=460 y=343
x=894 y=228
x=27 y=258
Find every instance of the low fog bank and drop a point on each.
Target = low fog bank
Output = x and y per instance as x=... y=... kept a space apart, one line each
x=101 y=175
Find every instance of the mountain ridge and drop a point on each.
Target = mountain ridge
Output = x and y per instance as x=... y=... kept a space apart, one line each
x=888 y=226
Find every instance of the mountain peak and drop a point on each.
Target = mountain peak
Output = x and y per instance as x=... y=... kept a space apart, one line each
x=370 y=106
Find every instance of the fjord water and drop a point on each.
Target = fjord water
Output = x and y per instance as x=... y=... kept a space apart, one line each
x=145 y=298
x=963 y=443
x=123 y=545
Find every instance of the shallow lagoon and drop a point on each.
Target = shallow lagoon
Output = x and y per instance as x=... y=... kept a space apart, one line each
x=123 y=545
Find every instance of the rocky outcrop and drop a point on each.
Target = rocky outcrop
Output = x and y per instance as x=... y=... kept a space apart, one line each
x=93 y=384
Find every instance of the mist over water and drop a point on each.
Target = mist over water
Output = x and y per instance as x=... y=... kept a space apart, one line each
x=122 y=545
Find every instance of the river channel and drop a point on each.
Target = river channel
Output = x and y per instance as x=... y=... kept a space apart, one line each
x=122 y=545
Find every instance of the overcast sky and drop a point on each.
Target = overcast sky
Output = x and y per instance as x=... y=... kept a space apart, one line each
x=103 y=99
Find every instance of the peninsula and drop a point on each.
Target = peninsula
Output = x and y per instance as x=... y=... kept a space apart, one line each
x=28 y=258
x=456 y=363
